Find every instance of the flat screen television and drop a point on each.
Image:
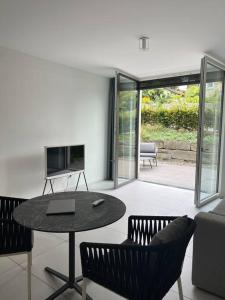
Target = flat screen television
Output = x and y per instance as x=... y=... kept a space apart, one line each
x=63 y=160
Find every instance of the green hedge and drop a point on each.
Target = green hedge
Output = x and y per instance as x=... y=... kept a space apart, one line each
x=176 y=117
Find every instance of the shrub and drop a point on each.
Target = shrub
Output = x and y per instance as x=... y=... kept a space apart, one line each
x=176 y=116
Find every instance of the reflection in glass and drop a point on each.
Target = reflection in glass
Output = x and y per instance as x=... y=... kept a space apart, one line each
x=210 y=150
x=127 y=128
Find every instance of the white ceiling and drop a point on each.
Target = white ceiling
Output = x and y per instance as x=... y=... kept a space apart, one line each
x=102 y=35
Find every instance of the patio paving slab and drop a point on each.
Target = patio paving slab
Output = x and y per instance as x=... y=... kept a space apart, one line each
x=177 y=175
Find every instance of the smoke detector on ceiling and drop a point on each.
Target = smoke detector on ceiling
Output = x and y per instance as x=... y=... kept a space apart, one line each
x=144 y=43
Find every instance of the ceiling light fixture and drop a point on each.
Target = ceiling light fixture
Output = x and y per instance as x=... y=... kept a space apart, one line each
x=144 y=43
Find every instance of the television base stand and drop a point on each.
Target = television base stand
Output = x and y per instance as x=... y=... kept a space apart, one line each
x=50 y=180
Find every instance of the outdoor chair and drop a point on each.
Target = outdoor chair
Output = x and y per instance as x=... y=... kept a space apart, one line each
x=148 y=151
x=146 y=265
x=14 y=238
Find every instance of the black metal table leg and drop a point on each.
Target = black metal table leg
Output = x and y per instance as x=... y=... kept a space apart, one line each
x=71 y=258
x=79 y=278
x=58 y=292
x=57 y=274
x=71 y=281
x=79 y=290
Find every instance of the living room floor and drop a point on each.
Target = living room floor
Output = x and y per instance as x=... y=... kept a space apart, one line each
x=52 y=249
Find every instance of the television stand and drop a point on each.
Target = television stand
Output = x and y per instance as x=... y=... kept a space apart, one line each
x=49 y=179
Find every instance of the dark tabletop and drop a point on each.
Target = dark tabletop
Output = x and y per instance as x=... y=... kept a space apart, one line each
x=32 y=213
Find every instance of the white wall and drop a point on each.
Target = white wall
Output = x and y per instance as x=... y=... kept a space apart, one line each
x=43 y=103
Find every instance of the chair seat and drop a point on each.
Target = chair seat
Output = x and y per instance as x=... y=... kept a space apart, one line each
x=147 y=155
x=128 y=242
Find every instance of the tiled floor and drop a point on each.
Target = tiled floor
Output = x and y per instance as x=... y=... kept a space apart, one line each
x=52 y=249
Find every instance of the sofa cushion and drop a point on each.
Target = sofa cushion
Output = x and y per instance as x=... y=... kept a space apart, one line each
x=171 y=232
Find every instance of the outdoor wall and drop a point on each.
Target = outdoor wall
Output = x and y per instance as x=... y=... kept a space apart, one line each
x=179 y=150
x=43 y=103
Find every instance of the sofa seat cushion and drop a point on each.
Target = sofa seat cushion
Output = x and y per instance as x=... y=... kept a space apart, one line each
x=171 y=232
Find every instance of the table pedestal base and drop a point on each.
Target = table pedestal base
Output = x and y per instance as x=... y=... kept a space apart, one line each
x=67 y=285
x=71 y=282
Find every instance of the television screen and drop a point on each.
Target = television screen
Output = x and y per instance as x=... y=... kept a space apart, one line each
x=65 y=159
x=76 y=158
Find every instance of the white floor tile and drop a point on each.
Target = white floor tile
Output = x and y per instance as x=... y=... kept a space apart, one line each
x=16 y=288
x=6 y=264
x=189 y=290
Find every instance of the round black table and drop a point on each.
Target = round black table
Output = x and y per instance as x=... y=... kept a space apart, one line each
x=32 y=214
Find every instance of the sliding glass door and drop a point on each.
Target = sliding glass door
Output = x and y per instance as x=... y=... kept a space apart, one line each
x=207 y=187
x=126 y=130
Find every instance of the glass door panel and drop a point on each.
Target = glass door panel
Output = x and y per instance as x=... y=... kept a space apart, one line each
x=209 y=139
x=126 y=130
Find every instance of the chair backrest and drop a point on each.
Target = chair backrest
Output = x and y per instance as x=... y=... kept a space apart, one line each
x=138 y=271
x=147 y=148
x=159 y=266
x=13 y=237
x=166 y=265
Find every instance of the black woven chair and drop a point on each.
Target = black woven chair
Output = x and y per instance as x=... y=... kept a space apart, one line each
x=14 y=238
x=135 y=269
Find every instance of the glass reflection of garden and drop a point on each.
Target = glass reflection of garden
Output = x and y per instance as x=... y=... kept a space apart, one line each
x=127 y=134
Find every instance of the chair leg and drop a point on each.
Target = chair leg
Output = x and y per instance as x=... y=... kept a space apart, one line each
x=84 y=288
x=31 y=258
x=29 y=264
x=150 y=163
x=180 y=289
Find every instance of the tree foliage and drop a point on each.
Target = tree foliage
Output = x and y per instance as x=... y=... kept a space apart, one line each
x=172 y=107
x=170 y=95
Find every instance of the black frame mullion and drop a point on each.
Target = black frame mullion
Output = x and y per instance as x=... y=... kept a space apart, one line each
x=116 y=122
x=170 y=81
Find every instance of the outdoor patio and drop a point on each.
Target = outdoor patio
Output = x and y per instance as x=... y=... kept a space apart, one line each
x=171 y=173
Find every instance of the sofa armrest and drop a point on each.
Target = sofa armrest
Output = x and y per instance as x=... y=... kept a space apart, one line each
x=208 y=269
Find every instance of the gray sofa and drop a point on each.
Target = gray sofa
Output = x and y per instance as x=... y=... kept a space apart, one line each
x=208 y=270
